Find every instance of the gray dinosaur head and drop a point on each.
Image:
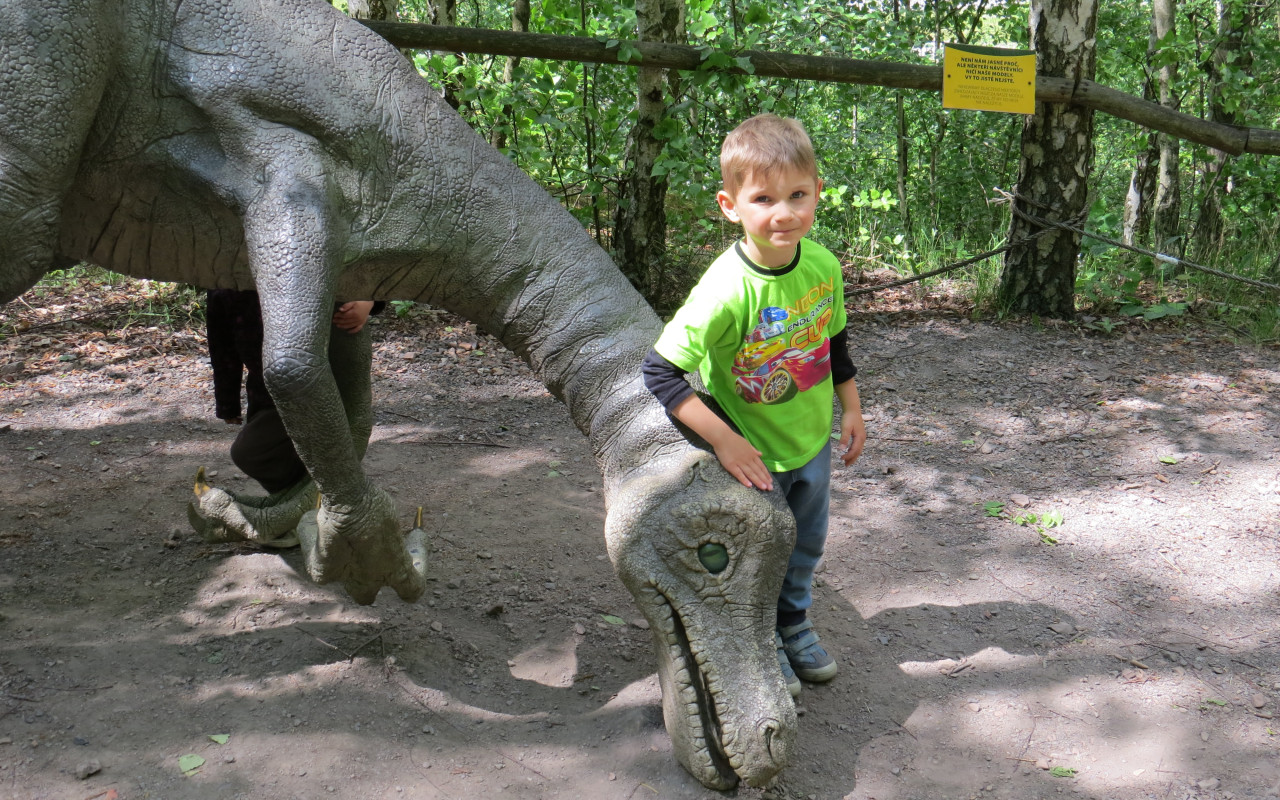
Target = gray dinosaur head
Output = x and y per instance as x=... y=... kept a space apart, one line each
x=704 y=558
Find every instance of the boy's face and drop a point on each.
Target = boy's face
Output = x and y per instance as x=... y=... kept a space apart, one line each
x=775 y=211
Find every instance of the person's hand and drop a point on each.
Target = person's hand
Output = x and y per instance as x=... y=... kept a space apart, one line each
x=853 y=436
x=742 y=461
x=351 y=316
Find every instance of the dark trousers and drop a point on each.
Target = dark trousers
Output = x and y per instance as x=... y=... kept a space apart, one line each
x=264 y=452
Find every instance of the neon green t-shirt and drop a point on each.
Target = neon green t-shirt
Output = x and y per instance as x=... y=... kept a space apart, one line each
x=761 y=340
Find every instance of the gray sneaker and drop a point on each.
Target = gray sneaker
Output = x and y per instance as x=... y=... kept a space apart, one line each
x=788 y=674
x=808 y=658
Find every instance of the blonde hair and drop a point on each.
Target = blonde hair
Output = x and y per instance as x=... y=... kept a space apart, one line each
x=762 y=144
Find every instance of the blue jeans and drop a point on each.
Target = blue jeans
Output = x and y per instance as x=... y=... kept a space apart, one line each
x=808 y=492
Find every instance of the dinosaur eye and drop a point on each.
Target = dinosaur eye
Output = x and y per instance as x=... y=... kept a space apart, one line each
x=714 y=557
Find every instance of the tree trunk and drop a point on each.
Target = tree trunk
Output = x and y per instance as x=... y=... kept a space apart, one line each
x=1136 y=222
x=1056 y=158
x=1138 y=201
x=1228 y=50
x=519 y=24
x=1167 y=214
x=640 y=226
x=904 y=153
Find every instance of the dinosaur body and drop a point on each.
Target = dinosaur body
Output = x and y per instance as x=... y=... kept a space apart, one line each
x=277 y=145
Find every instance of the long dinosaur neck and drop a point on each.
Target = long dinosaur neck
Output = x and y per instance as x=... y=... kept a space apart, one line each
x=514 y=261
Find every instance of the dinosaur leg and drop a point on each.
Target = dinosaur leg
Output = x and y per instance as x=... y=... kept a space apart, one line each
x=351 y=359
x=51 y=85
x=291 y=233
x=224 y=516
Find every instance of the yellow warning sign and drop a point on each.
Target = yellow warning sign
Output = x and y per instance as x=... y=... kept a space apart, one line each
x=989 y=79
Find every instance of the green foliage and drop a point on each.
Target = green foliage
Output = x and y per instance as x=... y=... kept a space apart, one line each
x=1042 y=523
x=568 y=126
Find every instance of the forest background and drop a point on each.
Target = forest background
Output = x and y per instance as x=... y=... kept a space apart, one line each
x=909 y=185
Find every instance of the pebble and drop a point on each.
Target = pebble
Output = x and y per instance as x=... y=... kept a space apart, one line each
x=1064 y=628
x=1020 y=500
x=974 y=707
x=579 y=629
x=986 y=449
x=87 y=768
x=1259 y=700
x=1208 y=784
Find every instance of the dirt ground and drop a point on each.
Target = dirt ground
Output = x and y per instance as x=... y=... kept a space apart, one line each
x=1129 y=652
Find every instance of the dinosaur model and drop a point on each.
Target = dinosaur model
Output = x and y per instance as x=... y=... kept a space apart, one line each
x=278 y=145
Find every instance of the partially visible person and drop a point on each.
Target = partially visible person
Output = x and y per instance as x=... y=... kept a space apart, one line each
x=262 y=449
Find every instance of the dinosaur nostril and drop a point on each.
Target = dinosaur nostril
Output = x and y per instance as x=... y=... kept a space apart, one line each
x=768 y=729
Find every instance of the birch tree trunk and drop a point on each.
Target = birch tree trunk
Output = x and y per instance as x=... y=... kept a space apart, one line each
x=640 y=226
x=1167 y=214
x=1056 y=159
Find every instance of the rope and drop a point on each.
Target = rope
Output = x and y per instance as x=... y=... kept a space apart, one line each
x=1046 y=227
x=1162 y=257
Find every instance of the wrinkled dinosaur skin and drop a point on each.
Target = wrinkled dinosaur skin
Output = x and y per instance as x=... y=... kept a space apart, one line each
x=277 y=145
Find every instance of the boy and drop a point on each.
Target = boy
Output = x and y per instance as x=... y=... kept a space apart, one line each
x=765 y=327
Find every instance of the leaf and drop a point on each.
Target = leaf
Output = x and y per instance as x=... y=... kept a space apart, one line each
x=94 y=443
x=1063 y=772
x=190 y=763
x=612 y=620
x=1215 y=702
x=1168 y=460
x=993 y=508
x=220 y=738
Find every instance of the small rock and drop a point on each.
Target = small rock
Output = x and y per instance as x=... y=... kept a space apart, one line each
x=1208 y=784
x=87 y=768
x=436 y=626
x=1042 y=763
x=974 y=707
x=1064 y=628
x=1259 y=700
x=228 y=759
x=643 y=624
x=896 y=770
x=1020 y=500
x=495 y=610
x=986 y=449
x=579 y=629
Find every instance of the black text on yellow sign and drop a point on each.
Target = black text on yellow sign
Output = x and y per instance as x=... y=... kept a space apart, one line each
x=989 y=79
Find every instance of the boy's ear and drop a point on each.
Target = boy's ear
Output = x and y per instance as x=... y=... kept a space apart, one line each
x=727 y=205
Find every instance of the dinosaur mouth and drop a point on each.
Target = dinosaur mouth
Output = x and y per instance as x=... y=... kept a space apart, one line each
x=692 y=697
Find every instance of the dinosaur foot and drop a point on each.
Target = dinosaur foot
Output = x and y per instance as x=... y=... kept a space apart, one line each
x=268 y=521
x=362 y=547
